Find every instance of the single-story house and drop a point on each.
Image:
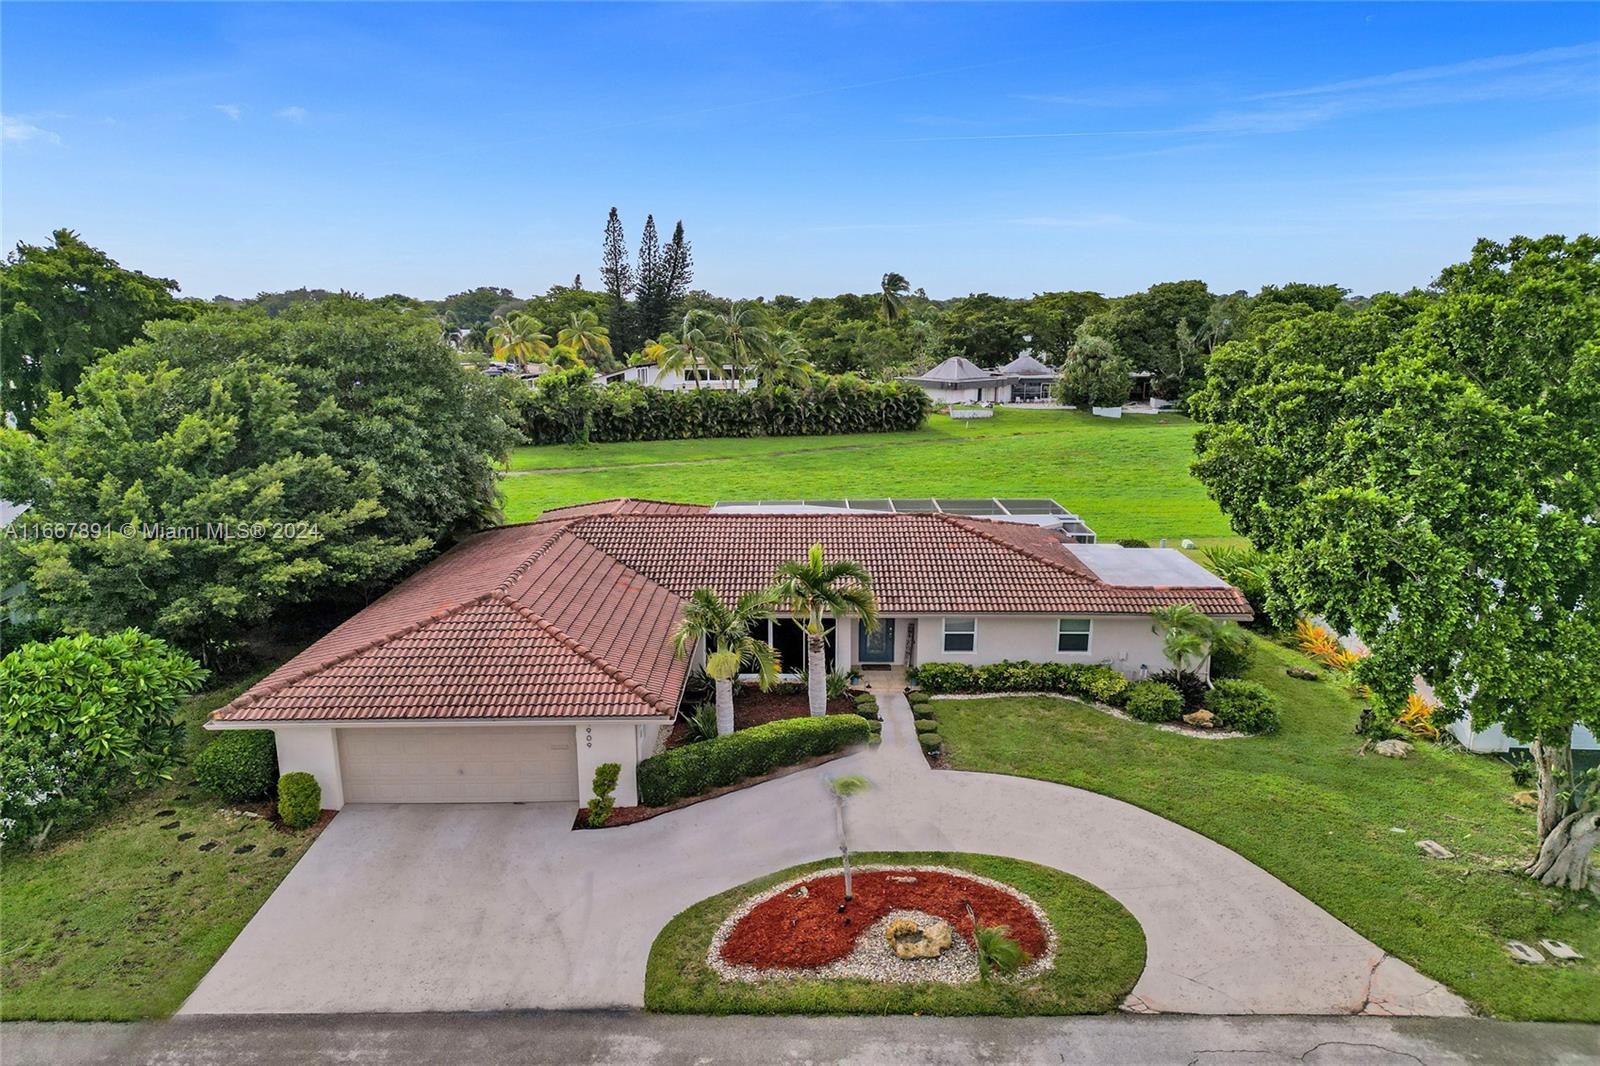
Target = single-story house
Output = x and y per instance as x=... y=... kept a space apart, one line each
x=513 y=665
x=959 y=380
x=1031 y=379
x=673 y=380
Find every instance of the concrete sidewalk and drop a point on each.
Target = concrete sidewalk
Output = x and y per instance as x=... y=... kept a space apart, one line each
x=632 y=1039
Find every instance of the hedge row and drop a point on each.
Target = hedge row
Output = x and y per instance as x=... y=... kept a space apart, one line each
x=630 y=412
x=1100 y=683
x=697 y=768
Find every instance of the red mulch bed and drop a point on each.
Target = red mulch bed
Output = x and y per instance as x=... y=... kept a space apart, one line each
x=751 y=707
x=805 y=933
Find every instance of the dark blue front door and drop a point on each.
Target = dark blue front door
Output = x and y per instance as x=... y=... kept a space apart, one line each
x=877 y=646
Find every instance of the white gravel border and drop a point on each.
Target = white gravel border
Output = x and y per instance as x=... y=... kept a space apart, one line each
x=871 y=959
x=1103 y=708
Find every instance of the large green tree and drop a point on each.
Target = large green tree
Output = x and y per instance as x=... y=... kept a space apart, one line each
x=335 y=444
x=63 y=306
x=1143 y=328
x=1427 y=473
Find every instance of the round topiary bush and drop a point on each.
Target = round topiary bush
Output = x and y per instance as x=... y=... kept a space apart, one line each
x=1248 y=706
x=299 y=800
x=931 y=743
x=918 y=697
x=925 y=726
x=1154 y=701
x=239 y=765
x=922 y=712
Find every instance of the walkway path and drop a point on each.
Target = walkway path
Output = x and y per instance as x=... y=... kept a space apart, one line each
x=493 y=907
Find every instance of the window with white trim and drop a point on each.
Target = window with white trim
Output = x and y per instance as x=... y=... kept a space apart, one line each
x=960 y=634
x=1072 y=634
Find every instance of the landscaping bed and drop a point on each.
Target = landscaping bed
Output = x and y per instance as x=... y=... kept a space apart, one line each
x=1088 y=950
x=752 y=707
x=634 y=815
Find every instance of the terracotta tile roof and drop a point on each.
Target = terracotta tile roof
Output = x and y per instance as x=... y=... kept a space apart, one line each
x=572 y=615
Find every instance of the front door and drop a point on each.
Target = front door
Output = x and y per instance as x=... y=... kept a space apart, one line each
x=878 y=645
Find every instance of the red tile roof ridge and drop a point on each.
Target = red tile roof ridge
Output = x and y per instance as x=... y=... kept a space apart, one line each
x=272 y=686
x=577 y=647
x=533 y=557
x=975 y=527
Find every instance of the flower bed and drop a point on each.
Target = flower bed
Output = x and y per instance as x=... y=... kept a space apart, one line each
x=798 y=926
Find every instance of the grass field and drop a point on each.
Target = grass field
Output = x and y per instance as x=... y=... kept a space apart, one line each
x=1127 y=477
x=1302 y=805
x=121 y=920
x=1099 y=957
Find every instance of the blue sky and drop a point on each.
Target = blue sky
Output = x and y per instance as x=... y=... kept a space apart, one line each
x=808 y=149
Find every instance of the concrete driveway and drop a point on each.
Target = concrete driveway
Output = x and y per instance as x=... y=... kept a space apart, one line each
x=498 y=906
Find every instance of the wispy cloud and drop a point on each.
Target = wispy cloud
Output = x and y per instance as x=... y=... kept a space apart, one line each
x=1132 y=96
x=233 y=111
x=1467 y=69
x=17 y=129
x=1098 y=220
x=291 y=114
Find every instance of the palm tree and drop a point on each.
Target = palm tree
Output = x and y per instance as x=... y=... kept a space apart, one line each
x=786 y=362
x=584 y=334
x=891 y=297
x=842 y=789
x=692 y=353
x=565 y=357
x=519 y=339
x=1186 y=634
x=741 y=334
x=812 y=588
x=729 y=645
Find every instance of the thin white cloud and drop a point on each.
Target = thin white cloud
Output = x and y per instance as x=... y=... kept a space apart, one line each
x=291 y=114
x=233 y=111
x=1133 y=96
x=1099 y=220
x=1468 y=68
x=16 y=129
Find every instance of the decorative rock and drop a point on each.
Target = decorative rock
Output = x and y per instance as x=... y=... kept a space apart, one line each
x=1526 y=800
x=909 y=940
x=1201 y=719
x=1560 y=949
x=1435 y=850
x=1186 y=544
x=1523 y=953
x=1394 y=749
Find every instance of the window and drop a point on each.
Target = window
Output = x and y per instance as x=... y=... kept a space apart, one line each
x=960 y=634
x=1072 y=634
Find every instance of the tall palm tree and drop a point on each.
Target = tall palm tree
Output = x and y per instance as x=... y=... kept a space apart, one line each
x=584 y=334
x=842 y=788
x=786 y=362
x=891 y=297
x=1186 y=634
x=729 y=645
x=812 y=588
x=519 y=339
x=692 y=352
x=741 y=335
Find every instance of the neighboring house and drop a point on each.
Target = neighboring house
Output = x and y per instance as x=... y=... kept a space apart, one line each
x=959 y=380
x=523 y=658
x=652 y=376
x=1032 y=380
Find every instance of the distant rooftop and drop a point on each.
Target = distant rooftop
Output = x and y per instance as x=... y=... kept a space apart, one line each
x=1037 y=511
x=955 y=372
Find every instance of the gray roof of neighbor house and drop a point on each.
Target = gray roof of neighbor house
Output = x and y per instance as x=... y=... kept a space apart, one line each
x=1026 y=366
x=957 y=371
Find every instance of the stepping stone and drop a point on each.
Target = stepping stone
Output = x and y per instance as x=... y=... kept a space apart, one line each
x=173 y=876
x=277 y=853
x=1435 y=850
x=243 y=848
x=208 y=845
x=170 y=825
x=1523 y=953
x=163 y=814
x=1561 y=950
x=185 y=836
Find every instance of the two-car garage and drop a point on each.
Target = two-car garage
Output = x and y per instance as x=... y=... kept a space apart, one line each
x=458 y=764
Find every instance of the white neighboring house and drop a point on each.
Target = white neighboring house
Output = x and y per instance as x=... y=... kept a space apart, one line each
x=960 y=380
x=652 y=376
x=1032 y=380
x=515 y=664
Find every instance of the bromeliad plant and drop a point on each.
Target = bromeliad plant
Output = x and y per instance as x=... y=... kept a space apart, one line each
x=813 y=589
x=725 y=630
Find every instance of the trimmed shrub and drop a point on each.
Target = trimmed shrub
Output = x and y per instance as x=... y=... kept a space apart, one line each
x=698 y=768
x=1232 y=653
x=1155 y=701
x=1081 y=680
x=1247 y=706
x=918 y=697
x=299 y=799
x=922 y=710
x=241 y=764
x=932 y=743
x=1133 y=542
x=927 y=725
x=1192 y=687
x=869 y=711
x=603 y=802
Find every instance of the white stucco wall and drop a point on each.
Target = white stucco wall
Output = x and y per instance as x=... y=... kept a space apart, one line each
x=971 y=394
x=312 y=749
x=603 y=742
x=1125 y=642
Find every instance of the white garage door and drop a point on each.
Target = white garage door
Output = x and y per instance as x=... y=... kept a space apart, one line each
x=453 y=764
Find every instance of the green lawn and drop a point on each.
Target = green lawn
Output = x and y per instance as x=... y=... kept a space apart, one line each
x=121 y=920
x=1099 y=956
x=1303 y=806
x=1127 y=477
